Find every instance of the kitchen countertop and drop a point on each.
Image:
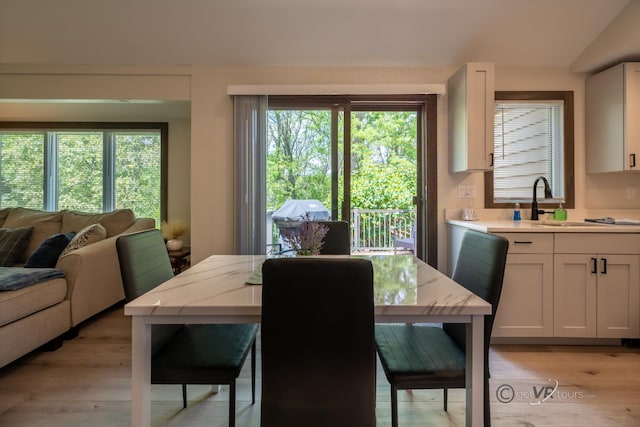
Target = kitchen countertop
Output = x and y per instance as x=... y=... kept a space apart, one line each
x=542 y=226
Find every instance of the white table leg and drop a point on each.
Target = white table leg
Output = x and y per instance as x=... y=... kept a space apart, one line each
x=475 y=372
x=140 y=372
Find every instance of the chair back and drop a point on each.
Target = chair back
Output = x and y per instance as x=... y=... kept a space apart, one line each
x=480 y=269
x=145 y=264
x=318 y=349
x=337 y=240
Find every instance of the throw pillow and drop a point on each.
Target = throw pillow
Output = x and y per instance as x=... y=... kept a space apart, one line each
x=90 y=234
x=47 y=254
x=12 y=243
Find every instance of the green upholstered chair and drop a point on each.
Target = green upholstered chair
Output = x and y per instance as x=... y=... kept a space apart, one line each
x=318 y=351
x=184 y=354
x=337 y=241
x=430 y=357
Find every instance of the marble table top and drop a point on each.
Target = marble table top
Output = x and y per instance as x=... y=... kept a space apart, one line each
x=404 y=286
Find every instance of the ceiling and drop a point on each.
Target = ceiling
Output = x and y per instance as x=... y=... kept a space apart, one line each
x=431 y=33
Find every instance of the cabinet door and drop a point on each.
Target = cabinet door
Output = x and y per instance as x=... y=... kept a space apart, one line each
x=612 y=127
x=471 y=95
x=574 y=289
x=526 y=302
x=618 y=296
x=631 y=115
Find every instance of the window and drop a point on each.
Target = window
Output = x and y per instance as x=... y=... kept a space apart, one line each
x=93 y=167
x=533 y=136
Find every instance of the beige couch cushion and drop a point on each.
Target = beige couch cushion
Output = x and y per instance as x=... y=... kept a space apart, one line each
x=44 y=225
x=15 y=305
x=114 y=222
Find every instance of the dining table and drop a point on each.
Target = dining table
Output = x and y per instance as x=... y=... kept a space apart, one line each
x=226 y=289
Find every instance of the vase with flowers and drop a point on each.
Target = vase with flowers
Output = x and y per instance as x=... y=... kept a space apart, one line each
x=172 y=231
x=307 y=238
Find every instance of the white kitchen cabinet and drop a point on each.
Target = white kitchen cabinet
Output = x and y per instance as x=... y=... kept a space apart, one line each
x=596 y=286
x=526 y=302
x=612 y=124
x=471 y=95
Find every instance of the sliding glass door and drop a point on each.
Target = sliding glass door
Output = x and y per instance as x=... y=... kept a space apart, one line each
x=360 y=158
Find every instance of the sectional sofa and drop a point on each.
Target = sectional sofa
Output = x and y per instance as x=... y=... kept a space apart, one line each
x=84 y=281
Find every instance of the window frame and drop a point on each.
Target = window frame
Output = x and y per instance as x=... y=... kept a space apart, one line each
x=162 y=127
x=568 y=148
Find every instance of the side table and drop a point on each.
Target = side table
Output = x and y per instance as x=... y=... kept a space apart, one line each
x=180 y=259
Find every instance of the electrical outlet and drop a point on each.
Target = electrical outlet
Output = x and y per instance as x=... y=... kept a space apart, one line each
x=631 y=192
x=466 y=191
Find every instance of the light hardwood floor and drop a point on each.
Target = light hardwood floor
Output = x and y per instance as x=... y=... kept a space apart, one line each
x=87 y=382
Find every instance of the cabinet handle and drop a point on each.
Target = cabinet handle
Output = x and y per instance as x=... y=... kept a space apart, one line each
x=491 y=161
x=604 y=266
x=522 y=242
x=594 y=268
x=632 y=160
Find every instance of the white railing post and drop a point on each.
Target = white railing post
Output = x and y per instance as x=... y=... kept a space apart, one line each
x=356 y=229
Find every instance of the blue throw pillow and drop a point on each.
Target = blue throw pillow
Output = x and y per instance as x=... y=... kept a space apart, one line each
x=47 y=254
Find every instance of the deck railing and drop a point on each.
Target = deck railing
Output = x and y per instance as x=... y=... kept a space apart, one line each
x=375 y=229
x=371 y=229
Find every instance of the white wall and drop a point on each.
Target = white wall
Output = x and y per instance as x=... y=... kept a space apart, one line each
x=201 y=154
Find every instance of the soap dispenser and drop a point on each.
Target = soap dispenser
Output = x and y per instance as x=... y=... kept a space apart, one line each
x=560 y=213
x=516 y=212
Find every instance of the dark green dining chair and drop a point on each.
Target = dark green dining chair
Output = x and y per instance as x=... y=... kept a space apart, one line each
x=318 y=351
x=337 y=241
x=184 y=354
x=430 y=357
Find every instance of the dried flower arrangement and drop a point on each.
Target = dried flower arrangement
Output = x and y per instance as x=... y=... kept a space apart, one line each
x=174 y=229
x=307 y=238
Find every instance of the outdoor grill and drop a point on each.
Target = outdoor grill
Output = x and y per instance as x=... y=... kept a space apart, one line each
x=292 y=213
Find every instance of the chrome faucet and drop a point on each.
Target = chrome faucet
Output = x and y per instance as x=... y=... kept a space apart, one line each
x=534 y=203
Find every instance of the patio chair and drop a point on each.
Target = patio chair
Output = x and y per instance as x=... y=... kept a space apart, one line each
x=406 y=243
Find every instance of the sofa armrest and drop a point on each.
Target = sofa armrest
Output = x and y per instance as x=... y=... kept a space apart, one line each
x=93 y=279
x=93 y=275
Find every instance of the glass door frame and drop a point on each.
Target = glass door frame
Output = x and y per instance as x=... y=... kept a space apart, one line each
x=425 y=200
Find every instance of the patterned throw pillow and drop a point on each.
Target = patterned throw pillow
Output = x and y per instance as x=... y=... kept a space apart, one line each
x=12 y=244
x=47 y=254
x=90 y=234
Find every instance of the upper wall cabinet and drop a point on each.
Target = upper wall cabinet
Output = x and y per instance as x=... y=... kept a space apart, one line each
x=471 y=93
x=613 y=119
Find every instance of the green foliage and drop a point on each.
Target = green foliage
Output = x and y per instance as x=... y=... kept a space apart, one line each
x=298 y=156
x=383 y=158
x=138 y=174
x=22 y=170
x=79 y=170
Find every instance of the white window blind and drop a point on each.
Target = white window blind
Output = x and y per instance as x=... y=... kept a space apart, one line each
x=528 y=143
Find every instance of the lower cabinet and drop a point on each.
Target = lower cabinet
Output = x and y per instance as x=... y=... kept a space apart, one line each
x=526 y=302
x=578 y=285
x=596 y=295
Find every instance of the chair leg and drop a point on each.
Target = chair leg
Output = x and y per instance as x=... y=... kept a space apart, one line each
x=232 y=403
x=394 y=406
x=184 y=396
x=253 y=372
x=445 y=399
